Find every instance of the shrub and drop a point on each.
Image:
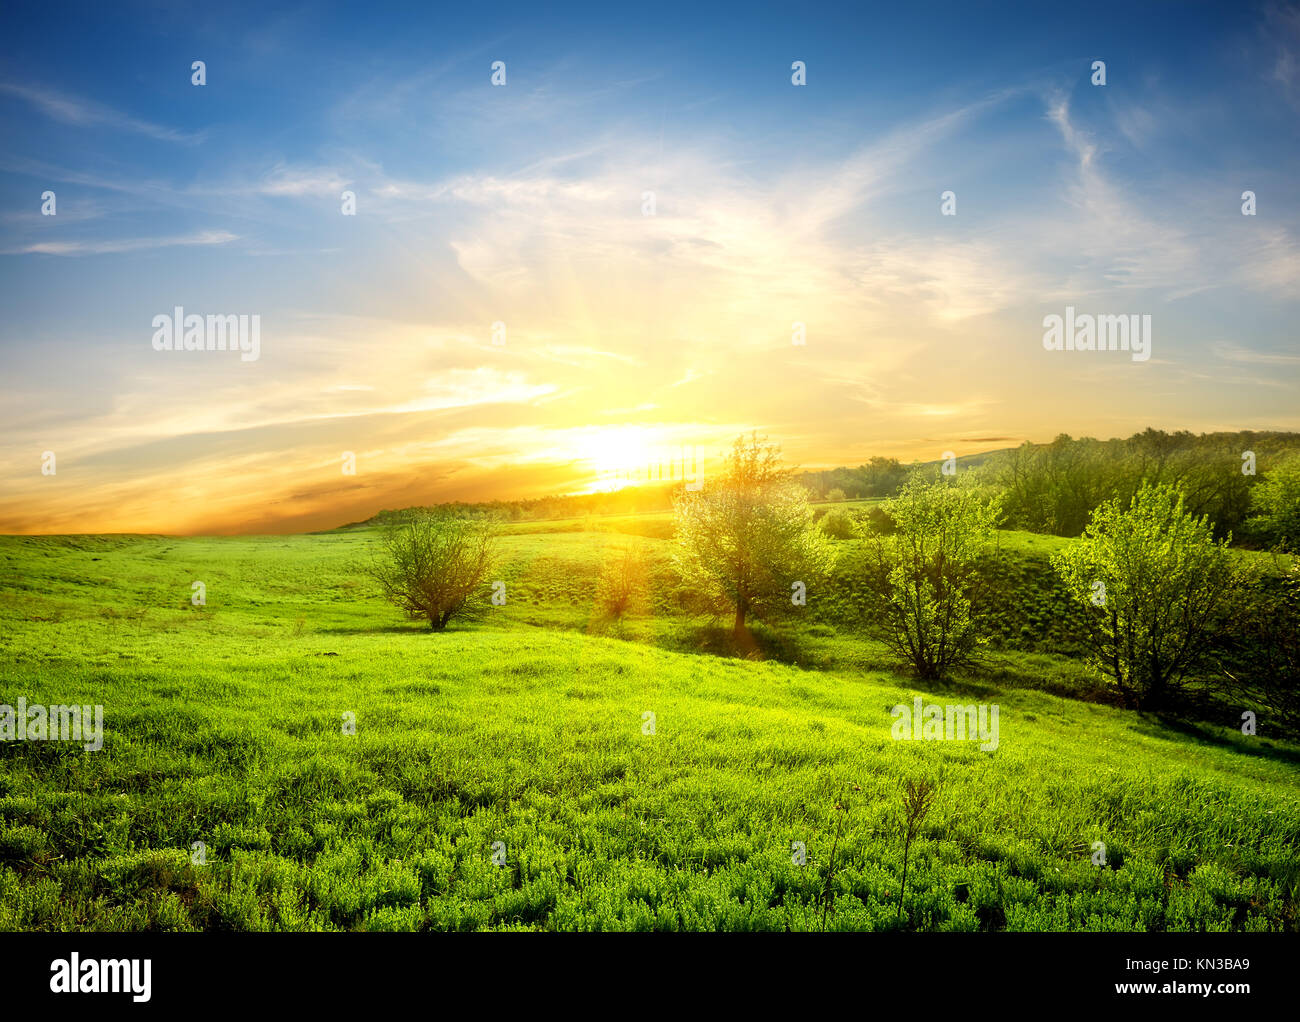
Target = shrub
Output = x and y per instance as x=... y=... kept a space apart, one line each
x=1148 y=582
x=748 y=536
x=877 y=520
x=927 y=573
x=839 y=524
x=622 y=582
x=1260 y=659
x=1275 y=505
x=431 y=564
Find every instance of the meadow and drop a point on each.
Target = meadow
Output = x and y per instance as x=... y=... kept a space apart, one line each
x=501 y=775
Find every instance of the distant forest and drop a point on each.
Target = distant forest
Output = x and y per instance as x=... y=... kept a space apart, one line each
x=1049 y=488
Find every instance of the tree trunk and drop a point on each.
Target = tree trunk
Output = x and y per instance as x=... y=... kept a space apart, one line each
x=741 y=609
x=1156 y=692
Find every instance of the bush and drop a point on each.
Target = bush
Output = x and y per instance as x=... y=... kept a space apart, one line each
x=877 y=520
x=748 y=537
x=1261 y=659
x=927 y=573
x=431 y=564
x=839 y=524
x=1149 y=582
x=622 y=583
x=1275 y=506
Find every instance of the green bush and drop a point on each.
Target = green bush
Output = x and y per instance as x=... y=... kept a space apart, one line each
x=1148 y=581
x=1275 y=506
x=927 y=574
x=748 y=537
x=839 y=524
x=1259 y=640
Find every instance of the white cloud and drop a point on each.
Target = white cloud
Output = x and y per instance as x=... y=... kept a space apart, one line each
x=88 y=113
x=77 y=248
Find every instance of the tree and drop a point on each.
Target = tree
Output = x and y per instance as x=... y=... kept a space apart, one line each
x=1149 y=582
x=835 y=495
x=883 y=477
x=926 y=573
x=838 y=524
x=1275 y=505
x=1055 y=487
x=622 y=583
x=747 y=538
x=431 y=564
x=1259 y=651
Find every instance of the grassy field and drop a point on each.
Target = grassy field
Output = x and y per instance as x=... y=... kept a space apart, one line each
x=521 y=735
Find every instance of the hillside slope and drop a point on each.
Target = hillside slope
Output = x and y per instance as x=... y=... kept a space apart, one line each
x=224 y=725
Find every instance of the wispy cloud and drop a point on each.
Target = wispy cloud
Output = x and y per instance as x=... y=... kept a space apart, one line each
x=81 y=248
x=1281 y=30
x=89 y=113
x=1237 y=353
x=524 y=205
x=1176 y=244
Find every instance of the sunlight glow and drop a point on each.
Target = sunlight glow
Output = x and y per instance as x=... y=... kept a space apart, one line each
x=625 y=455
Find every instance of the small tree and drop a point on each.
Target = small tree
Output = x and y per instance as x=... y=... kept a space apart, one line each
x=622 y=583
x=927 y=572
x=838 y=524
x=1275 y=505
x=748 y=537
x=1149 y=581
x=431 y=564
x=1258 y=652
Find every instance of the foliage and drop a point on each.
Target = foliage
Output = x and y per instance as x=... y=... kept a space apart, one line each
x=1275 y=505
x=1258 y=649
x=747 y=538
x=622 y=581
x=1148 y=581
x=918 y=796
x=926 y=573
x=432 y=564
x=838 y=524
x=1055 y=487
x=879 y=477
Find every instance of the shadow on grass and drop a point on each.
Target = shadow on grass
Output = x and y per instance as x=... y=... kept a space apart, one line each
x=1004 y=674
x=1166 y=725
x=754 y=644
x=414 y=628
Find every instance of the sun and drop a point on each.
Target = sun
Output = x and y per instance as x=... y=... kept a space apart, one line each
x=619 y=455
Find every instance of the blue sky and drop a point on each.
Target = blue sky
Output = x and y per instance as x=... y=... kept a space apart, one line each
x=629 y=337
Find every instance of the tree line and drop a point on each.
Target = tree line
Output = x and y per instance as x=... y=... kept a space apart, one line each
x=1159 y=595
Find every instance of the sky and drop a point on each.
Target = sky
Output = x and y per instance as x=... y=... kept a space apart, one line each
x=603 y=262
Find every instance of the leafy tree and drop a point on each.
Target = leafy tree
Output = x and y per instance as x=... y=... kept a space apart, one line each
x=1275 y=505
x=747 y=537
x=1054 y=487
x=835 y=495
x=1259 y=650
x=927 y=572
x=431 y=564
x=1149 y=581
x=883 y=476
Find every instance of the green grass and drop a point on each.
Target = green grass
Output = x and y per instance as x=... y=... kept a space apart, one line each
x=224 y=725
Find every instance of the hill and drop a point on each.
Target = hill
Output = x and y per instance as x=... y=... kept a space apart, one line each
x=224 y=724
